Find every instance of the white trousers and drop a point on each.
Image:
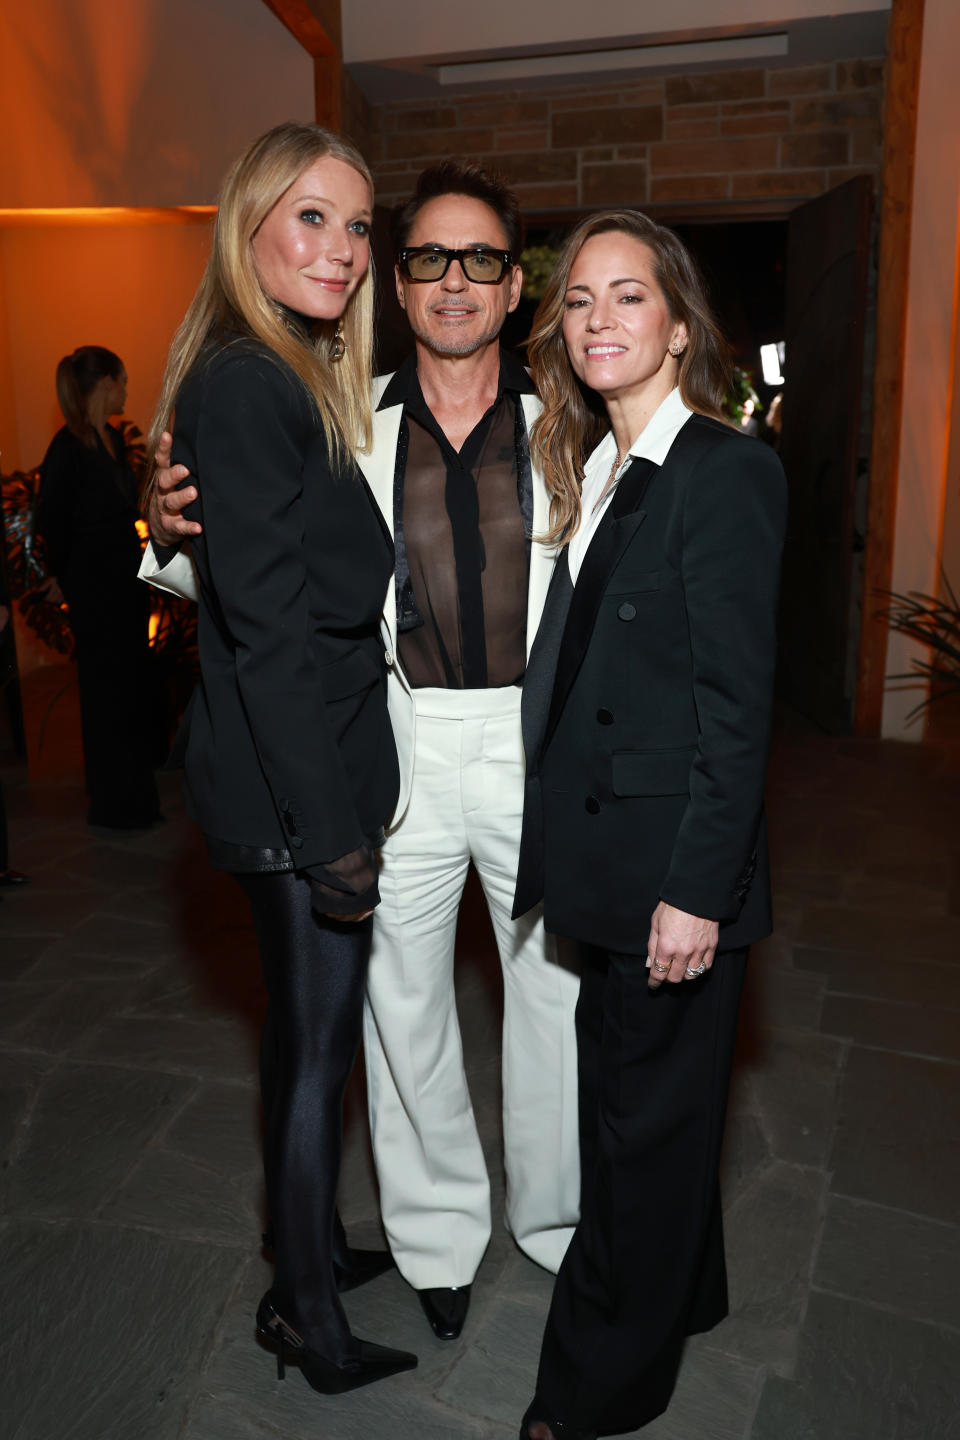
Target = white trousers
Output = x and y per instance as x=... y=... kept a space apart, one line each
x=467 y=804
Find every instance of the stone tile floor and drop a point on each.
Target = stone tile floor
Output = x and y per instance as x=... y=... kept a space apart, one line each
x=130 y=1196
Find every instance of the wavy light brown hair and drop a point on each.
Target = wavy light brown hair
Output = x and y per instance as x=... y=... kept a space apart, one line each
x=230 y=299
x=574 y=420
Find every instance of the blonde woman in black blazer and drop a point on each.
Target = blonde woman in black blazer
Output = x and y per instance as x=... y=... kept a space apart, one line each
x=291 y=770
x=646 y=725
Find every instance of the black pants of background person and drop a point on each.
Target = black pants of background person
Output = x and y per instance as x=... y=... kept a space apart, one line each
x=315 y=972
x=119 y=705
x=645 y=1267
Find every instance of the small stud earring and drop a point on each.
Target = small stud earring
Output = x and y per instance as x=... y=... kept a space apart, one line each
x=338 y=346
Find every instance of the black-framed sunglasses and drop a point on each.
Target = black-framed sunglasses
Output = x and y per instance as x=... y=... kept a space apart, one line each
x=431 y=262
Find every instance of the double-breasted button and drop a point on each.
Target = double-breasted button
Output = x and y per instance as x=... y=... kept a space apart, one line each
x=388 y=657
x=592 y=805
x=627 y=611
x=296 y=841
x=604 y=717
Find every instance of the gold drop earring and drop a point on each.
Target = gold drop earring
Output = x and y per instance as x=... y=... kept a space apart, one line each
x=338 y=346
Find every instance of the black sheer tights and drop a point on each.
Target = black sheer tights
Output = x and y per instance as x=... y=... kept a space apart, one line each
x=315 y=971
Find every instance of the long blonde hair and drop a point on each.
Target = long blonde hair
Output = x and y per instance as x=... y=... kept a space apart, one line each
x=231 y=300
x=573 y=419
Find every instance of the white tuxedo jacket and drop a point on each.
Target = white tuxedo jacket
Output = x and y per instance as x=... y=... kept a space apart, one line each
x=379 y=467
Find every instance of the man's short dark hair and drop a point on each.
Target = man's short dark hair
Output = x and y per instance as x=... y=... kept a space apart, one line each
x=450 y=177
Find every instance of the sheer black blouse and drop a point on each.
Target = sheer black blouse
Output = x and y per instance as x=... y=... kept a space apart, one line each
x=462 y=524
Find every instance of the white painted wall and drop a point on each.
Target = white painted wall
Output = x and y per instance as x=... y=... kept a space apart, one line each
x=950 y=545
x=144 y=102
x=380 y=30
x=928 y=415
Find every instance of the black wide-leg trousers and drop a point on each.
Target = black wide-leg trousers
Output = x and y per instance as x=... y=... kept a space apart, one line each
x=315 y=970
x=645 y=1267
x=121 y=707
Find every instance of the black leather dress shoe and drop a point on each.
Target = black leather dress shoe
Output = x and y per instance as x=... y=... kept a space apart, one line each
x=446 y=1309
x=13 y=877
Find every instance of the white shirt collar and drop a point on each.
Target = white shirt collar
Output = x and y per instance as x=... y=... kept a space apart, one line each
x=653 y=442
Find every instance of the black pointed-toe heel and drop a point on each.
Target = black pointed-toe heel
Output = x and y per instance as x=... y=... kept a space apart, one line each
x=374 y=1362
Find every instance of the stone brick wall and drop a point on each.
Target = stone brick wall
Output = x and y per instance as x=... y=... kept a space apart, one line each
x=757 y=134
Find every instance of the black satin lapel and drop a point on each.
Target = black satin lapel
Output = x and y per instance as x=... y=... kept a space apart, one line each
x=614 y=533
x=542 y=664
x=375 y=505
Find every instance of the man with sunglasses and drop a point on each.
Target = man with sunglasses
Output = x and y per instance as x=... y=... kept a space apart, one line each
x=450 y=468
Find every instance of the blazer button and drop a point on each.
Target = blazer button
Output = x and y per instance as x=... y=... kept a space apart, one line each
x=388 y=657
x=592 y=805
x=604 y=717
x=296 y=841
x=626 y=611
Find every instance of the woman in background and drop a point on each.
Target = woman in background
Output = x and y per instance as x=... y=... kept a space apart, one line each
x=87 y=516
x=291 y=769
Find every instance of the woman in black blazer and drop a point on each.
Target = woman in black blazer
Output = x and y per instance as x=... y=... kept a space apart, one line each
x=291 y=770
x=646 y=722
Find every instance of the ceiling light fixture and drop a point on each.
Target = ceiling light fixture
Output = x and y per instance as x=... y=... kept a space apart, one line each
x=637 y=57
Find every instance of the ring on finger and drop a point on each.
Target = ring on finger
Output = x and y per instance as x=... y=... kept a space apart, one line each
x=693 y=972
x=661 y=966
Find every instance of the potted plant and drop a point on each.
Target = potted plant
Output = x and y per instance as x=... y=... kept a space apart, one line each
x=933 y=622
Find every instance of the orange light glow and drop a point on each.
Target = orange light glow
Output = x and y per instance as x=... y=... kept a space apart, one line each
x=109 y=215
x=154 y=627
x=115 y=276
x=143 y=529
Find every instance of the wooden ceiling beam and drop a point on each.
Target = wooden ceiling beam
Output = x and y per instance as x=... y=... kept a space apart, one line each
x=316 y=25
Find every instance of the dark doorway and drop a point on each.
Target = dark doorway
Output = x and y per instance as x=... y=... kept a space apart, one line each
x=745 y=265
x=392 y=341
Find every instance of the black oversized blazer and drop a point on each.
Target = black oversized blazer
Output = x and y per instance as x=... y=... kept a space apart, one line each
x=645 y=781
x=288 y=741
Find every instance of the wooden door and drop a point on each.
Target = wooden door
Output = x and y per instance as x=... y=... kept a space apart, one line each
x=823 y=453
